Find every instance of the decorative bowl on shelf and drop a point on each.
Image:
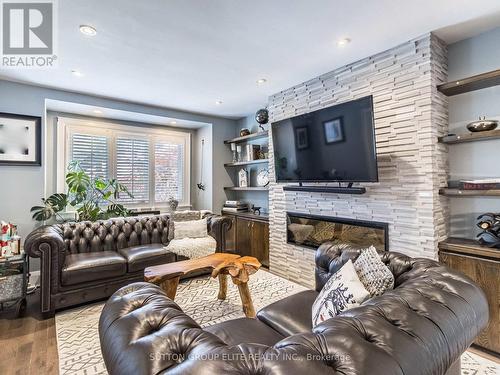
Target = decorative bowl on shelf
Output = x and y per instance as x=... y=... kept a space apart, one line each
x=244 y=132
x=482 y=125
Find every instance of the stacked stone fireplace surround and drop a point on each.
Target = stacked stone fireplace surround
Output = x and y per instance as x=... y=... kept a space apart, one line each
x=409 y=114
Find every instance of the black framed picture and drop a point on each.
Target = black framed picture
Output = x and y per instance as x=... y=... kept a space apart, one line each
x=334 y=130
x=301 y=138
x=20 y=139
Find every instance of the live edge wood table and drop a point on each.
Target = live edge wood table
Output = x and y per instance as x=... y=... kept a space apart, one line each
x=167 y=276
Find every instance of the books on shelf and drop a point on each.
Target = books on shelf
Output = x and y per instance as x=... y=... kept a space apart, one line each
x=479 y=184
x=235 y=206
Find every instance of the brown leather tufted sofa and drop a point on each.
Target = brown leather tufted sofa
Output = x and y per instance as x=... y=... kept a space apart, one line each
x=86 y=261
x=419 y=328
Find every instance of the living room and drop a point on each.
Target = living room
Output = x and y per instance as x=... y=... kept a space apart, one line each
x=234 y=187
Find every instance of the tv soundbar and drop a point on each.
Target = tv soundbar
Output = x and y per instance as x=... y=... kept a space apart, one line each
x=327 y=189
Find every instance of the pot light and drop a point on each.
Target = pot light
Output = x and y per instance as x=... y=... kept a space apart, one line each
x=77 y=73
x=97 y=111
x=173 y=122
x=343 y=42
x=218 y=102
x=261 y=81
x=88 y=30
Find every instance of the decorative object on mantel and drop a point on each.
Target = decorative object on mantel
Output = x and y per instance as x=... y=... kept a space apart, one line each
x=200 y=185
x=252 y=152
x=173 y=203
x=262 y=117
x=238 y=153
x=255 y=210
x=244 y=132
x=20 y=139
x=482 y=125
x=243 y=178
x=490 y=224
x=263 y=177
x=235 y=154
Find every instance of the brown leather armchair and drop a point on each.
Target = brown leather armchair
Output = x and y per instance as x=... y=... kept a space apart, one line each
x=85 y=261
x=420 y=328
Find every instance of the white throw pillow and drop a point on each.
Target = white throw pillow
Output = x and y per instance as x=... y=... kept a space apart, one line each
x=373 y=273
x=342 y=292
x=190 y=229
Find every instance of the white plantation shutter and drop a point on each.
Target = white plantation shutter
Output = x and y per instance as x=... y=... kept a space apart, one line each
x=154 y=164
x=92 y=153
x=169 y=170
x=132 y=168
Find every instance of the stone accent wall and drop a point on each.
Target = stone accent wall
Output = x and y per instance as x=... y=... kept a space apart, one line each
x=409 y=116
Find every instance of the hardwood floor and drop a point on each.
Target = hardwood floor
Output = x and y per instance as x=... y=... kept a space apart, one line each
x=29 y=343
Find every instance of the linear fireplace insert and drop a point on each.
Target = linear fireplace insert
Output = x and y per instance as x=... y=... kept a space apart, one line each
x=312 y=230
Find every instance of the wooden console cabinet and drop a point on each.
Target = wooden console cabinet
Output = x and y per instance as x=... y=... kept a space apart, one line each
x=249 y=235
x=482 y=265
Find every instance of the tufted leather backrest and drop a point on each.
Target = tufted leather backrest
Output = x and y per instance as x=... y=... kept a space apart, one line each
x=421 y=327
x=114 y=234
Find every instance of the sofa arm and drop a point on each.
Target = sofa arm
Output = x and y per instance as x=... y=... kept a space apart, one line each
x=218 y=226
x=47 y=244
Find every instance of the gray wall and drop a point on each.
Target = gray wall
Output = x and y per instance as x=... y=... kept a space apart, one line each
x=22 y=187
x=472 y=56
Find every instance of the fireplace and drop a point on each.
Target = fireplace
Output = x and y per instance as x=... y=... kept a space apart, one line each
x=312 y=230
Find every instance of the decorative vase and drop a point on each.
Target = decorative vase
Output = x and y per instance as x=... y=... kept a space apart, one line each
x=173 y=203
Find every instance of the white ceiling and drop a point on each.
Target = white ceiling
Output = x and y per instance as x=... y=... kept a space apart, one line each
x=186 y=54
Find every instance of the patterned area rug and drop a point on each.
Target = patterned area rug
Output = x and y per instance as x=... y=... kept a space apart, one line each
x=78 y=338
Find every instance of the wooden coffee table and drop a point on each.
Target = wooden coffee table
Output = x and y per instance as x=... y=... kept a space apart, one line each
x=167 y=276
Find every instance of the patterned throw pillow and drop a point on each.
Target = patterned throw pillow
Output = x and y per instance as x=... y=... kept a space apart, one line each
x=342 y=292
x=190 y=229
x=373 y=273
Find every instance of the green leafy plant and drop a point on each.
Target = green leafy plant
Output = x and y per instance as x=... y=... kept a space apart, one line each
x=93 y=198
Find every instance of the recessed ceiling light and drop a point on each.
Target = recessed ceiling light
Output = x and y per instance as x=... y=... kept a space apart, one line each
x=343 y=42
x=88 y=30
x=97 y=111
x=173 y=122
x=77 y=73
x=261 y=81
x=218 y=102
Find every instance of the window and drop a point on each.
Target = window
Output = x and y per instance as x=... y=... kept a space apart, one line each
x=153 y=163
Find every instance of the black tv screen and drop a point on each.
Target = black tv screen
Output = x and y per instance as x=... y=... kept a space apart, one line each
x=331 y=144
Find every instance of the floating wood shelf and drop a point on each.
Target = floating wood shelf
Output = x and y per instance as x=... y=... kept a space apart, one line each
x=249 y=188
x=247 y=138
x=236 y=164
x=478 y=82
x=468 y=247
x=470 y=137
x=469 y=193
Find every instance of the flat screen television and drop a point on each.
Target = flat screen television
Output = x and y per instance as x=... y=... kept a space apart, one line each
x=331 y=144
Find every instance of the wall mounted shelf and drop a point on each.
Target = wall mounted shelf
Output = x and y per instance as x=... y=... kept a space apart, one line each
x=236 y=164
x=247 y=138
x=470 y=137
x=469 y=193
x=249 y=188
x=477 y=82
x=468 y=247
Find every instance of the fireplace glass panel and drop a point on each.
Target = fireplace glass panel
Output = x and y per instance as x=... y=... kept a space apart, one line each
x=312 y=231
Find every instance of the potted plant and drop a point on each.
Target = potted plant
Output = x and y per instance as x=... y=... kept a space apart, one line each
x=93 y=198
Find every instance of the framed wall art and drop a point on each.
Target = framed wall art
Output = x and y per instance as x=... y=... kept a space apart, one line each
x=20 y=139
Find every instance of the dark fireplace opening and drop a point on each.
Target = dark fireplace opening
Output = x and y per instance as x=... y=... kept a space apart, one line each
x=313 y=230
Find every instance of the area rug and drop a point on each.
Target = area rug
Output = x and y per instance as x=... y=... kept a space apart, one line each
x=78 y=339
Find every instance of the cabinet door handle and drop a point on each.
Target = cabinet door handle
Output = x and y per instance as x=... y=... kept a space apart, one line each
x=249 y=225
